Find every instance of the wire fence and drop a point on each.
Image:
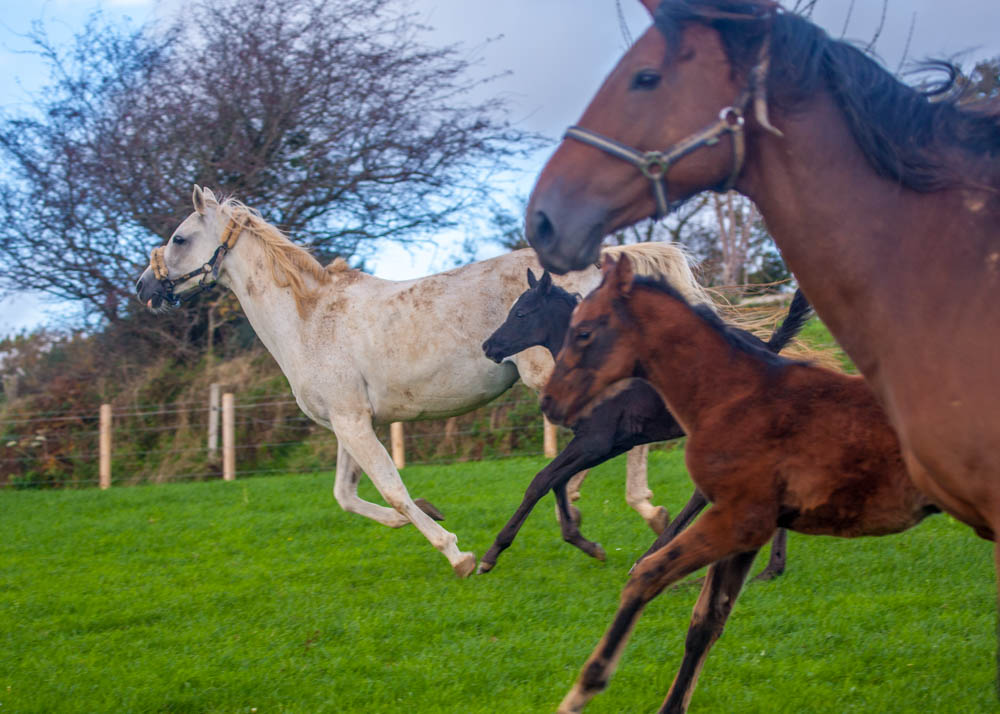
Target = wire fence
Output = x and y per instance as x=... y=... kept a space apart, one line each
x=174 y=442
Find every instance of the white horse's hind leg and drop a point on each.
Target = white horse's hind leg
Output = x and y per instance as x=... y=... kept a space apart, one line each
x=358 y=437
x=637 y=493
x=345 y=490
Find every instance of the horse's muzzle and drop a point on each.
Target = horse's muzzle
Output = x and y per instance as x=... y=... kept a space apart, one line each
x=561 y=249
x=492 y=351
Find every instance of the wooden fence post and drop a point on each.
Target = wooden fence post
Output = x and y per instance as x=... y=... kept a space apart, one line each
x=213 y=421
x=398 y=445
x=104 y=450
x=550 y=443
x=228 y=438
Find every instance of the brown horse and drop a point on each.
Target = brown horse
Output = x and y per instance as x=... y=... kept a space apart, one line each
x=886 y=207
x=771 y=442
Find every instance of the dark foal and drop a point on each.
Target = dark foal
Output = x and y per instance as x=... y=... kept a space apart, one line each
x=632 y=416
x=772 y=443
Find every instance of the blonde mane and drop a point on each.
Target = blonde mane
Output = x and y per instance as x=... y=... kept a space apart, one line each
x=292 y=266
x=667 y=261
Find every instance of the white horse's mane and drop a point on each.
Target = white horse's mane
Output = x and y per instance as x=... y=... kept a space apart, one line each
x=290 y=263
x=664 y=260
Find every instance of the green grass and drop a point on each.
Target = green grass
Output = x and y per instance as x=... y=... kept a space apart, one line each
x=261 y=594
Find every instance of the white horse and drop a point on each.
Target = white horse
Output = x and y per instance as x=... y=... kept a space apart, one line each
x=359 y=351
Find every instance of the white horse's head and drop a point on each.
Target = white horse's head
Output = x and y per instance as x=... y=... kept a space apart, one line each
x=192 y=257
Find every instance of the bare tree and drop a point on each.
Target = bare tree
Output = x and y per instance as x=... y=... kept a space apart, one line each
x=735 y=215
x=331 y=116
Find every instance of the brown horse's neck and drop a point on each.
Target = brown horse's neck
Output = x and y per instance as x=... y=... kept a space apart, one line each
x=687 y=360
x=873 y=257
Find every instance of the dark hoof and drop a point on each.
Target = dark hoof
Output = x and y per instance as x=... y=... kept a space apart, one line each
x=484 y=568
x=429 y=508
x=599 y=552
x=768 y=574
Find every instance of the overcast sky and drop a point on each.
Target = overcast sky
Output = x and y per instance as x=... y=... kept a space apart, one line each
x=556 y=52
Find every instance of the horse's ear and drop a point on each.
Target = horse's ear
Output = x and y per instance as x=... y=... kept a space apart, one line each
x=198 y=199
x=608 y=264
x=651 y=5
x=546 y=282
x=532 y=280
x=622 y=274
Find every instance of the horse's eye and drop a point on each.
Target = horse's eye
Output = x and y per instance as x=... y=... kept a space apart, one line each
x=582 y=336
x=646 y=79
x=178 y=240
x=519 y=315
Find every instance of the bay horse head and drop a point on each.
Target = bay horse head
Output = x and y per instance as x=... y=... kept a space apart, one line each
x=192 y=259
x=672 y=119
x=597 y=351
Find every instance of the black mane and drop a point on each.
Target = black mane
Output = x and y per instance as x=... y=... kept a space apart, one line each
x=904 y=135
x=738 y=339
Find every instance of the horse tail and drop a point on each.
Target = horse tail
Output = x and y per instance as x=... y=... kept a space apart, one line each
x=666 y=261
x=798 y=313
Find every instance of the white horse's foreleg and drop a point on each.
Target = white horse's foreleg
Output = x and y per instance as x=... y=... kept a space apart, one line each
x=358 y=437
x=345 y=490
x=637 y=493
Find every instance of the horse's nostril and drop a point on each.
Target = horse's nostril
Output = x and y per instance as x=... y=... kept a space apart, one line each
x=138 y=286
x=542 y=232
x=546 y=403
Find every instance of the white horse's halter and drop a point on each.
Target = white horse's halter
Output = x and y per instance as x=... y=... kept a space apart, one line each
x=209 y=272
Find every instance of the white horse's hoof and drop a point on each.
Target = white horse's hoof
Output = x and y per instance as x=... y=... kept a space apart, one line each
x=660 y=521
x=465 y=565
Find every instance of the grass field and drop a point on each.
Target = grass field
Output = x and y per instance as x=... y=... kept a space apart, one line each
x=262 y=596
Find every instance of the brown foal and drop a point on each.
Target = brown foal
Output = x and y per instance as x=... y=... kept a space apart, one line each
x=771 y=442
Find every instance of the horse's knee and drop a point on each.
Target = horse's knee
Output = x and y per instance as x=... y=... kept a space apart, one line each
x=345 y=498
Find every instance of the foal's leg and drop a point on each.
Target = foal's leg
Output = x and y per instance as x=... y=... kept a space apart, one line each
x=776 y=563
x=359 y=439
x=722 y=586
x=582 y=452
x=573 y=493
x=570 y=528
x=692 y=508
x=637 y=493
x=345 y=490
x=719 y=533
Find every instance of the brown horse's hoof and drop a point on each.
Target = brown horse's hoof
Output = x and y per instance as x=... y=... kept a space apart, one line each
x=466 y=564
x=599 y=552
x=660 y=521
x=429 y=508
x=484 y=568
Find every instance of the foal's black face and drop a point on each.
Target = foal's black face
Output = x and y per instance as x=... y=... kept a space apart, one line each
x=539 y=317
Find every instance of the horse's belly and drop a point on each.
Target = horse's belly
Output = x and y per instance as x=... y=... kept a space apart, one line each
x=441 y=396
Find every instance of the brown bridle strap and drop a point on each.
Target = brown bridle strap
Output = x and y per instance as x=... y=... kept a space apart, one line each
x=157 y=263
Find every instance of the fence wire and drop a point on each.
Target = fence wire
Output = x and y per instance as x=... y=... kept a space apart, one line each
x=169 y=442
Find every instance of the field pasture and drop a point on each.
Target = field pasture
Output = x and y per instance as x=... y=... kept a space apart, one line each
x=261 y=595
